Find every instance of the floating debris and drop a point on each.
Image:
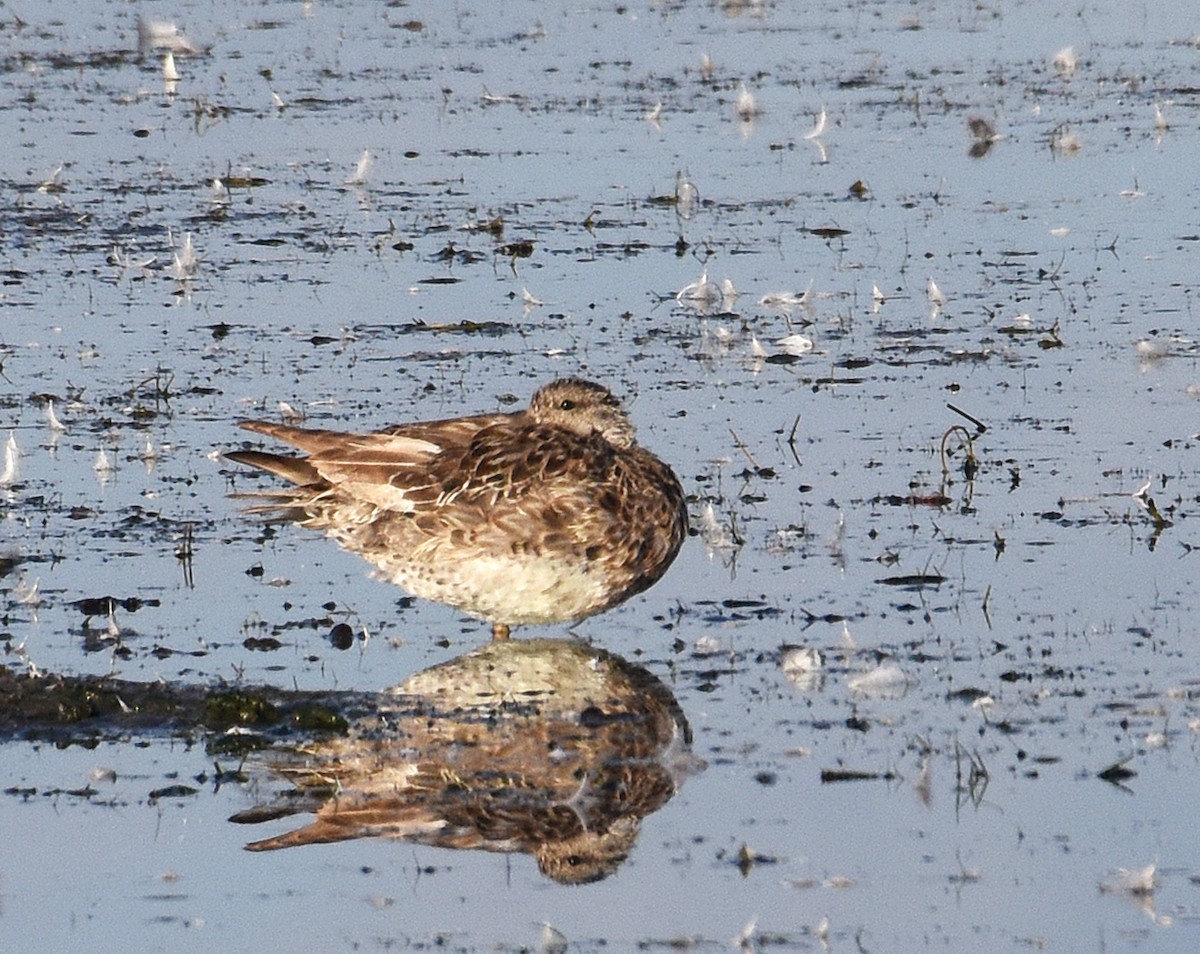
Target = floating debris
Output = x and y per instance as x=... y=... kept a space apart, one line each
x=218 y=193
x=686 y=196
x=1065 y=143
x=830 y=776
x=746 y=939
x=126 y=262
x=103 y=466
x=1151 y=349
x=885 y=681
x=289 y=413
x=821 y=932
x=113 y=630
x=706 y=296
x=1156 y=740
x=818 y=129
x=56 y=425
x=786 y=301
x=746 y=106
x=1065 y=62
x=1117 y=773
x=27 y=593
x=52 y=184
x=1134 y=193
x=923 y=783
x=936 y=298
x=489 y=98
x=1019 y=323
x=715 y=341
x=362 y=171
x=714 y=534
x=1160 y=121
x=795 y=345
x=804 y=667
x=552 y=941
x=981 y=130
x=707 y=646
x=983 y=137
x=162 y=35
x=802 y=659
x=747 y=860
x=184 y=260
x=1136 y=882
x=12 y=461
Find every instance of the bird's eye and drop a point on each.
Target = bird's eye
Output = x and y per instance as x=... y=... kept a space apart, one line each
x=566 y=405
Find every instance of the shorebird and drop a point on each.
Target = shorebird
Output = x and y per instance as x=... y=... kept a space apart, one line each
x=547 y=515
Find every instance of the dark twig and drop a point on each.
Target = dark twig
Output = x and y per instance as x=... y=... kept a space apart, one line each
x=791 y=441
x=980 y=427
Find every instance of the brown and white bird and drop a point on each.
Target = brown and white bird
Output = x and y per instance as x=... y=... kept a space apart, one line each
x=547 y=515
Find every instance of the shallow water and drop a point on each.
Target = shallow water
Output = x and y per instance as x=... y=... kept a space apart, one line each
x=989 y=645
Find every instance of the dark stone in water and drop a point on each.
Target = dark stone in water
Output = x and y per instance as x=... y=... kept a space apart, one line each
x=341 y=636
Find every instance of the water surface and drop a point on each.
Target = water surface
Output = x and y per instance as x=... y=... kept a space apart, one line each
x=989 y=645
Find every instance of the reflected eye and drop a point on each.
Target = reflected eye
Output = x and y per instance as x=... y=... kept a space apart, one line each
x=566 y=405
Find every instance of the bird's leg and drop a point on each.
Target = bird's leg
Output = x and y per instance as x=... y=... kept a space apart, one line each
x=499 y=631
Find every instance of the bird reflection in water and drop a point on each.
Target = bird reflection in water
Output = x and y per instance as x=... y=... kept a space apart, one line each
x=547 y=747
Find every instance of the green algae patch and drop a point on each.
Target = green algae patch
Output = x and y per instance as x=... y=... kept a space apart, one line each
x=227 y=709
x=318 y=718
x=80 y=710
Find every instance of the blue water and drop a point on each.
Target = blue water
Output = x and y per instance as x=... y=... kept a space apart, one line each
x=1060 y=601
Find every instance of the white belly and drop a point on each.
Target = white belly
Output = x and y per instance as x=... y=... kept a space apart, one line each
x=512 y=590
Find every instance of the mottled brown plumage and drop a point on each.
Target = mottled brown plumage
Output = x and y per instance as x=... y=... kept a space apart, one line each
x=550 y=748
x=550 y=514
